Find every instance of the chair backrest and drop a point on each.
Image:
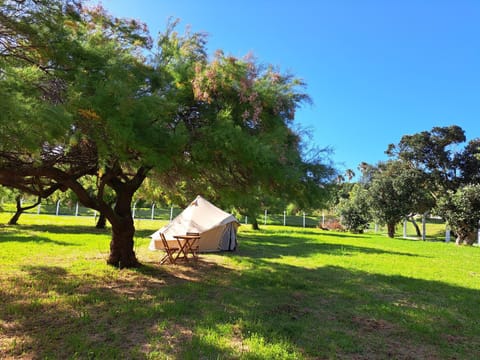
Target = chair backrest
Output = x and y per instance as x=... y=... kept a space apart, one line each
x=169 y=251
x=164 y=241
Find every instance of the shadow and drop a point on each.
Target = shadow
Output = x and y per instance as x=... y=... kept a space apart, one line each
x=366 y=315
x=284 y=245
x=305 y=231
x=24 y=238
x=57 y=229
x=143 y=233
x=211 y=309
x=96 y=312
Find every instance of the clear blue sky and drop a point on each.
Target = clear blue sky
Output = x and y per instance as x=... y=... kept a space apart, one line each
x=375 y=69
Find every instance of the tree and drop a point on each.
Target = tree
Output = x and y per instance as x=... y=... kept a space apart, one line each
x=395 y=192
x=447 y=169
x=462 y=209
x=20 y=208
x=19 y=198
x=355 y=210
x=79 y=80
x=82 y=99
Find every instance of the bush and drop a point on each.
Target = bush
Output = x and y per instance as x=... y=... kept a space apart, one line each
x=354 y=211
x=354 y=219
x=332 y=224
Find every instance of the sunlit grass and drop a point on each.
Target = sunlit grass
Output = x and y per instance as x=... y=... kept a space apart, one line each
x=287 y=293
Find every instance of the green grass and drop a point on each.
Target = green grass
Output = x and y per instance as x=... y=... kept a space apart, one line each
x=287 y=293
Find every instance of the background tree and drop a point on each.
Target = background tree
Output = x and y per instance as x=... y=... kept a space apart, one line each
x=462 y=209
x=21 y=207
x=447 y=169
x=82 y=100
x=395 y=192
x=354 y=211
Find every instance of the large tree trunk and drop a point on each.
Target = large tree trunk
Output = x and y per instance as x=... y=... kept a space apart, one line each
x=391 y=230
x=121 y=246
x=123 y=229
x=122 y=254
x=20 y=209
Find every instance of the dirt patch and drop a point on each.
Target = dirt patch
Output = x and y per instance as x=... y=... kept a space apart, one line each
x=384 y=340
x=369 y=324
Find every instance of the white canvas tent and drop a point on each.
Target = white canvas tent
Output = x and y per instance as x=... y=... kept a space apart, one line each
x=217 y=228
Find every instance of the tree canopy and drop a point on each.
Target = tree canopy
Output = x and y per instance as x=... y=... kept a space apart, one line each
x=86 y=94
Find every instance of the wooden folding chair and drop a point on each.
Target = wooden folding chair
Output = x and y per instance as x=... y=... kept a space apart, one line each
x=170 y=251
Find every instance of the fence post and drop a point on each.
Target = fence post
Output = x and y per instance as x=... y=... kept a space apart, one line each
x=134 y=209
x=447 y=234
x=153 y=210
x=265 y=221
x=76 y=209
x=424 y=226
x=58 y=208
x=304 y=219
x=38 y=209
x=284 y=217
x=405 y=228
x=323 y=218
x=246 y=219
x=478 y=233
x=171 y=213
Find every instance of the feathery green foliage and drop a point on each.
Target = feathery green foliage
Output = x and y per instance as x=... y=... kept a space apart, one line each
x=96 y=99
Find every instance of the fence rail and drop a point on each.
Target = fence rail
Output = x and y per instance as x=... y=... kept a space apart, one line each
x=60 y=209
x=435 y=228
x=159 y=213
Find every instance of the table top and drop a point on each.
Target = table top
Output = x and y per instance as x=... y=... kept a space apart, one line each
x=186 y=236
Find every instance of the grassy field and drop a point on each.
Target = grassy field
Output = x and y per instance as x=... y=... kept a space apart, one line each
x=287 y=293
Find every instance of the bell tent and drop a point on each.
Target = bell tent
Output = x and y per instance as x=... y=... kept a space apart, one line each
x=217 y=228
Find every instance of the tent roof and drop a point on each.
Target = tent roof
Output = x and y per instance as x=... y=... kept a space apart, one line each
x=200 y=216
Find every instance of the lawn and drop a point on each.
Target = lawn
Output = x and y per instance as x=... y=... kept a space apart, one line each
x=287 y=293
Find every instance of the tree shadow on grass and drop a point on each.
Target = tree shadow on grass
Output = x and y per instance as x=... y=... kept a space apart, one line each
x=64 y=229
x=357 y=313
x=283 y=245
x=22 y=238
x=267 y=311
x=307 y=231
x=143 y=233
x=51 y=313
